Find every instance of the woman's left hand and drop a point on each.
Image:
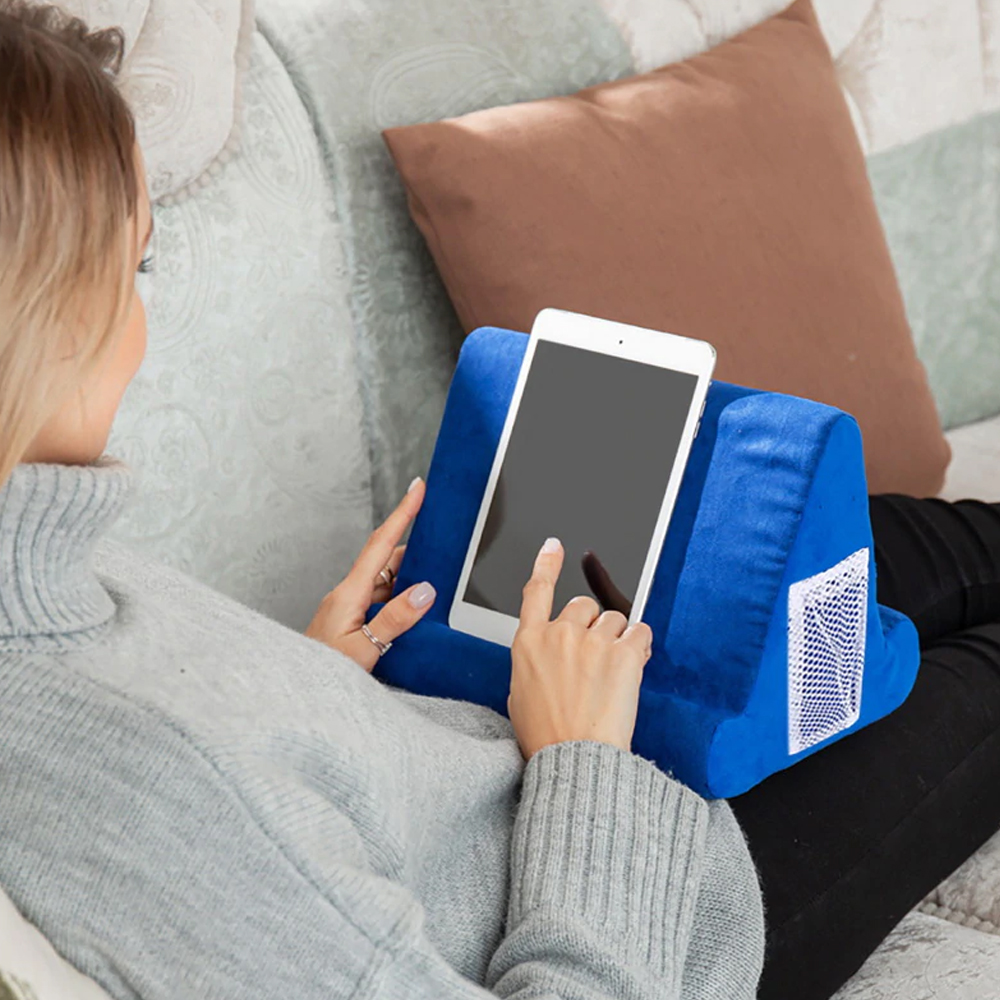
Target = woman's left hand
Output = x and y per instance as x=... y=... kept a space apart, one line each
x=341 y=614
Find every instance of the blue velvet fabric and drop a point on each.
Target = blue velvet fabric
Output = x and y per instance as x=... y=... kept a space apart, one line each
x=774 y=493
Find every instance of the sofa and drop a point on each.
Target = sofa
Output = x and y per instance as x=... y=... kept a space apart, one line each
x=284 y=405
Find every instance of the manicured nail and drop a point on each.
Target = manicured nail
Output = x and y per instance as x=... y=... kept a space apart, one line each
x=551 y=545
x=413 y=485
x=421 y=595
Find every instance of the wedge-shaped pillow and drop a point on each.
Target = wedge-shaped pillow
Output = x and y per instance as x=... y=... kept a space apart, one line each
x=768 y=641
x=724 y=197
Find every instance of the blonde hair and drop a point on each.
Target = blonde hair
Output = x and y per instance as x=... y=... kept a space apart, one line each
x=68 y=197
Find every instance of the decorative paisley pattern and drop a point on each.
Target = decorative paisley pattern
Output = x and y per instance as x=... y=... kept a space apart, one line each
x=362 y=67
x=129 y=15
x=244 y=424
x=181 y=76
x=925 y=958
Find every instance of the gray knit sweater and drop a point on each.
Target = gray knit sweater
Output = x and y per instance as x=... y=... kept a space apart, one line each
x=199 y=804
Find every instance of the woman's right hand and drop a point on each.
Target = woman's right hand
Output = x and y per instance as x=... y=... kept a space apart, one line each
x=578 y=677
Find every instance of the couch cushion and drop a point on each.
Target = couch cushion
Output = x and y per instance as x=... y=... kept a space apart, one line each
x=375 y=63
x=907 y=67
x=975 y=465
x=677 y=201
x=184 y=61
x=245 y=423
x=925 y=958
x=939 y=200
x=971 y=895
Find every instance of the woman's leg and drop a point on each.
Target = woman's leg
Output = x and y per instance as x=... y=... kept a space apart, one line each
x=849 y=840
x=938 y=562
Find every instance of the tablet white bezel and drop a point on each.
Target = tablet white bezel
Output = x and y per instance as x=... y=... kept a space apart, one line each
x=619 y=340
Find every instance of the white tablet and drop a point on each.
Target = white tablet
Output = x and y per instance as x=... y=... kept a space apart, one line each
x=593 y=451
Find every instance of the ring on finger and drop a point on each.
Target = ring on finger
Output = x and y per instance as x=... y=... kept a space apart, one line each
x=382 y=647
x=387 y=575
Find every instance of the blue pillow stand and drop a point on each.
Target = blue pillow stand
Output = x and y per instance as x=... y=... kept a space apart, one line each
x=768 y=641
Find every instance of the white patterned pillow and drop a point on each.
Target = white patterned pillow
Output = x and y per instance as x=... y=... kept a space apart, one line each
x=183 y=64
x=31 y=969
x=907 y=67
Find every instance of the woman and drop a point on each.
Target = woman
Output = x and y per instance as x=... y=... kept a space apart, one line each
x=197 y=802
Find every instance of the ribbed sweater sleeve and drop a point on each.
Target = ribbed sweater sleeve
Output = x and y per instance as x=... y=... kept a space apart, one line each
x=608 y=862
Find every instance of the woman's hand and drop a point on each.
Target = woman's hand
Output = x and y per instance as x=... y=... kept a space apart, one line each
x=341 y=615
x=575 y=678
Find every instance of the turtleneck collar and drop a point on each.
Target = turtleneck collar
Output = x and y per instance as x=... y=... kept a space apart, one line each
x=51 y=517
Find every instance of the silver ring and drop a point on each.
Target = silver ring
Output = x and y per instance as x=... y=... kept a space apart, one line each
x=382 y=647
x=387 y=575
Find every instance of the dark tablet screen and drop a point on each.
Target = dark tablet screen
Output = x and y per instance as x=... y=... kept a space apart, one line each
x=588 y=461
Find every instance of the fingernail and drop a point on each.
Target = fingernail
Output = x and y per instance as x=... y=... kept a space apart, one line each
x=421 y=595
x=551 y=545
x=414 y=484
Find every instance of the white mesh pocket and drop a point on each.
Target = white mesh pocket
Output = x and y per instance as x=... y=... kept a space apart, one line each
x=827 y=614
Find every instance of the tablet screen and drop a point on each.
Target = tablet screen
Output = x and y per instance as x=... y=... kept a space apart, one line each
x=588 y=460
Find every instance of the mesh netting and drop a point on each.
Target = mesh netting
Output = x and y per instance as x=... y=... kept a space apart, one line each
x=827 y=614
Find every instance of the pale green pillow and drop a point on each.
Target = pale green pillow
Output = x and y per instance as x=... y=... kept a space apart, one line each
x=939 y=198
x=368 y=65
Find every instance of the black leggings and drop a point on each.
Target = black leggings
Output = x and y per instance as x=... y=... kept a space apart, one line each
x=849 y=840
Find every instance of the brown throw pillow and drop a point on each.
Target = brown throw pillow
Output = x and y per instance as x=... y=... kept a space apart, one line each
x=724 y=197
